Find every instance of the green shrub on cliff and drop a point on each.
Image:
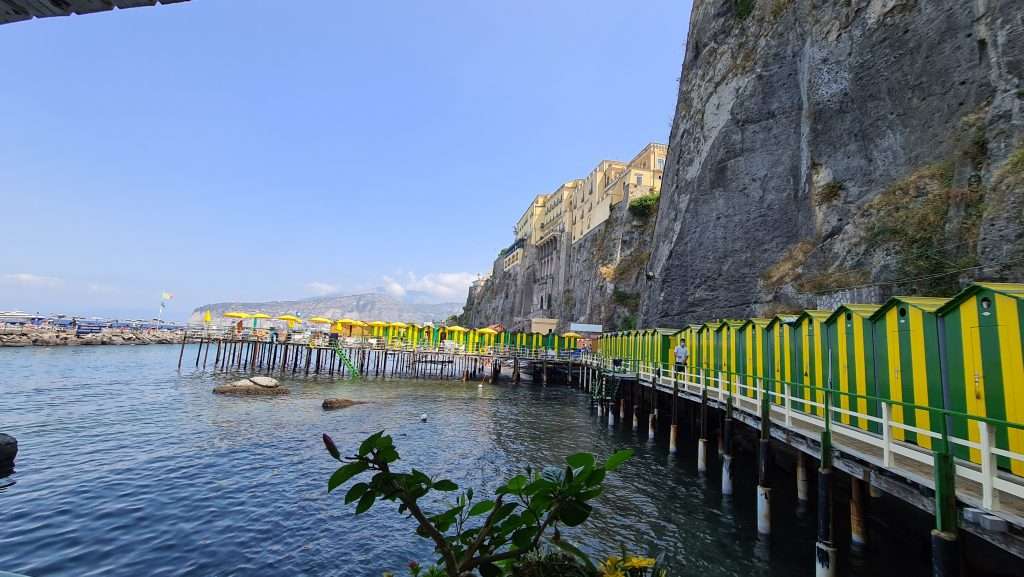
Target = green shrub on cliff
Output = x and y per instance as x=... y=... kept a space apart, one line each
x=644 y=206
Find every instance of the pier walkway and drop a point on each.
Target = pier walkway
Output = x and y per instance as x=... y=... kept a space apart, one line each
x=989 y=500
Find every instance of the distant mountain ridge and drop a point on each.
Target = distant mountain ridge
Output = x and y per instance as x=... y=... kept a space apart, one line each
x=366 y=307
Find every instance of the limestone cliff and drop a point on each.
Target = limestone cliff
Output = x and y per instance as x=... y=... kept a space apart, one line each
x=598 y=280
x=821 y=152
x=820 y=146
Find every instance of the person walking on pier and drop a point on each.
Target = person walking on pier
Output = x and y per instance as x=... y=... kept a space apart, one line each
x=682 y=356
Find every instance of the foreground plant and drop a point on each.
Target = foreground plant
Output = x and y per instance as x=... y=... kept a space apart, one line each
x=631 y=566
x=485 y=536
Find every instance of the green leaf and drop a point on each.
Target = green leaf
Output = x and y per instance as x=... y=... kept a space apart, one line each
x=366 y=502
x=596 y=477
x=573 y=513
x=344 y=473
x=369 y=443
x=355 y=492
x=575 y=552
x=384 y=442
x=522 y=537
x=481 y=508
x=617 y=459
x=580 y=460
x=388 y=454
x=445 y=485
x=505 y=510
x=514 y=485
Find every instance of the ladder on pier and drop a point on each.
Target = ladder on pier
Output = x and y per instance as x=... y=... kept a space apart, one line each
x=352 y=370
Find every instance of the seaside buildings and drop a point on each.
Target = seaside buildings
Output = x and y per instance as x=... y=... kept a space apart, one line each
x=535 y=267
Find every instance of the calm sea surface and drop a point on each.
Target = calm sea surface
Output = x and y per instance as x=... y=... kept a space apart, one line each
x=129 y=469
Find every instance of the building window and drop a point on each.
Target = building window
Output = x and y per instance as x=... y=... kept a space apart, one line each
x=639 y=179
x=660 y=163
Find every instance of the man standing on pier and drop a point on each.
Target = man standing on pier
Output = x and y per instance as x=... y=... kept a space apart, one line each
x=682 y=356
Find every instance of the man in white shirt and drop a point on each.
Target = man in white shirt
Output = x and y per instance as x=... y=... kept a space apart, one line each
x=682 y=357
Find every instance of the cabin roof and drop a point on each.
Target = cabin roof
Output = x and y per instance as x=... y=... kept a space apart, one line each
x=927 y=304
x=863 y=311
x=1012 y=290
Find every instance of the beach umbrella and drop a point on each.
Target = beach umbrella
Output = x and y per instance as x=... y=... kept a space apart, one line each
x=290 y=319
x=236 y=315
x=256 y=318
x=345 y=322
x=572 y=335
x=320 y=320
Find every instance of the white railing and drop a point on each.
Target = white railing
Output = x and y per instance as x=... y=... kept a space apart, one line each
x=747 y=397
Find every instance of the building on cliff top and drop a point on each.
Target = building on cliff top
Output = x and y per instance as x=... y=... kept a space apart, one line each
x=611 y=182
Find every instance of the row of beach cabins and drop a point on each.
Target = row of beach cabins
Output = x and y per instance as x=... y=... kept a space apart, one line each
x=940 y=368
x=325 y=332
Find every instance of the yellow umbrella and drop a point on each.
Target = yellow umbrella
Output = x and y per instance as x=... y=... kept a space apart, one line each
x=290 y=319
x=320 y=320
x=236 y=315
x=456 y=329
x=346 y=321
x=487 y=331
x=377 y=324
x=572 y=335
x=256 y=318
x=399 y=325
x=206 y=317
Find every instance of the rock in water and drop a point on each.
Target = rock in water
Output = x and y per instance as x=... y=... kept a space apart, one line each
x=267 y=382
x=8 y=451
x=251 y=386
x=340 y=403
x=423 y=418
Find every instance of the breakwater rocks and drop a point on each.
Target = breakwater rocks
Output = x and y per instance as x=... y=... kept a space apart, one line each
x=252 y=386
x=48 y=338
x=8 y=451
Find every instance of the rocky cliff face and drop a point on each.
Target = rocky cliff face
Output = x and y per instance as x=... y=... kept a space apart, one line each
x=820 y=146
x=598 y=280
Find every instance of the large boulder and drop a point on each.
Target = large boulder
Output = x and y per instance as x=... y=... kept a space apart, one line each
x=8 y=451
x=251 y=386
x=340 y=403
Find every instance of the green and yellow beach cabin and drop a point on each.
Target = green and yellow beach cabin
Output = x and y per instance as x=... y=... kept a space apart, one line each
x=907 y=363
x=984 y=330
x=851 y=362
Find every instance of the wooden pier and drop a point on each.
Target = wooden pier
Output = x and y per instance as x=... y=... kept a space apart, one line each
x=705 y=409
x=372 y=358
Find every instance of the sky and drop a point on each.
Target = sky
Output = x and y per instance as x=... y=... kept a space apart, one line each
x=223 y=150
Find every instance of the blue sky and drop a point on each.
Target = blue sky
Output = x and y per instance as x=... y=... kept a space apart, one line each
x=229 y=150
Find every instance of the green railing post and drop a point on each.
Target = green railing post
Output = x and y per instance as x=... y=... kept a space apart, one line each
x=945 y=542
